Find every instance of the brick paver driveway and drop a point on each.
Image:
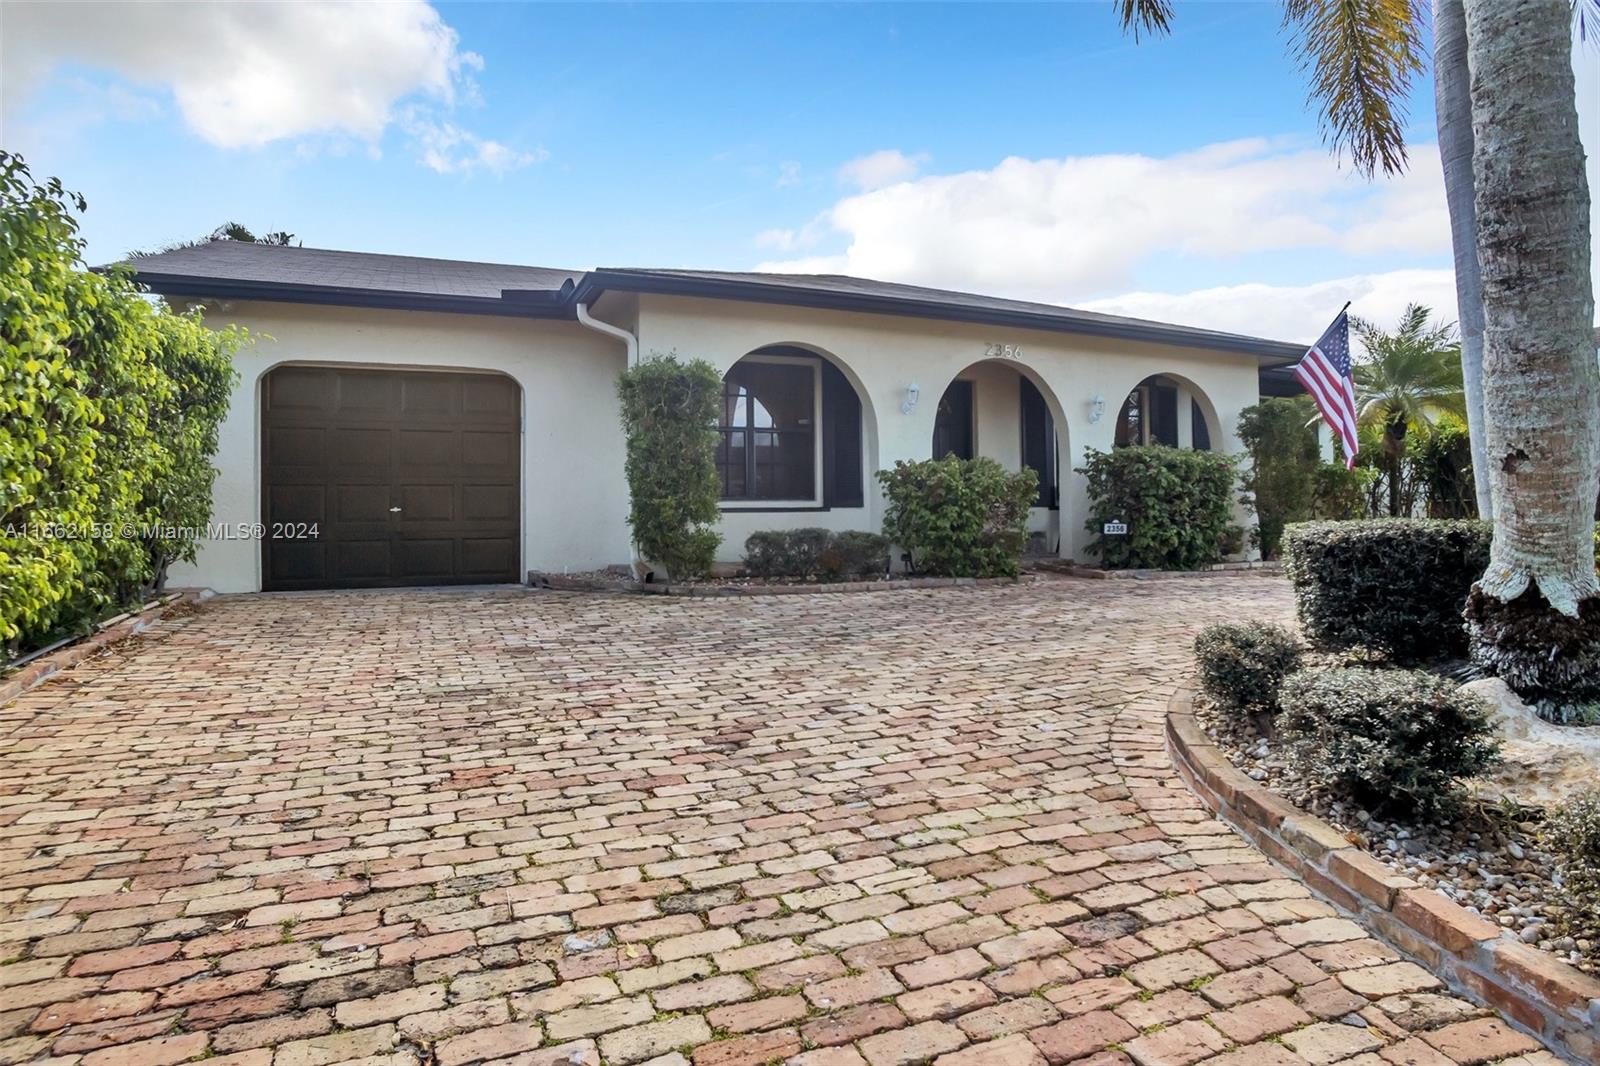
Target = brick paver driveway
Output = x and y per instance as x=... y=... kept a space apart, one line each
x=545 y=828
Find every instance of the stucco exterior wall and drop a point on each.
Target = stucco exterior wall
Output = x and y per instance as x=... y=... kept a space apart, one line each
x=574 y=501
x=883 y=355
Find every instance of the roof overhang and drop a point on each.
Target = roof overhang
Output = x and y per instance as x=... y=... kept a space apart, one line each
x=596 y=282
x=512 y=303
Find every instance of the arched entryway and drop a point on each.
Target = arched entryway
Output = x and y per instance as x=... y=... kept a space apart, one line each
x=1166 y=409
x=1002 y=410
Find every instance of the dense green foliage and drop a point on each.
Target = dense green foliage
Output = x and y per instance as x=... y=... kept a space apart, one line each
x=109 y=408
x=1176 y=503
x=1243 y=664
x=809 y=552
x=1287 y=479
x=669 y=415
x=1572 y=832
x=1397 y=740
x=1395 y=586
x=959 y=517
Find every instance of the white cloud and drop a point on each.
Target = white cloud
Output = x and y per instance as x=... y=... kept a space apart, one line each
x=245 y=74
x=1292 y=312
x=446 y=148
x=885 y=167
x=1063 y=229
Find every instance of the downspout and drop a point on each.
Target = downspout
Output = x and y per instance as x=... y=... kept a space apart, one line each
x=635 y=563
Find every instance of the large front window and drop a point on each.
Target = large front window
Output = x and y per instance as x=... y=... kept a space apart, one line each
x=768 y=449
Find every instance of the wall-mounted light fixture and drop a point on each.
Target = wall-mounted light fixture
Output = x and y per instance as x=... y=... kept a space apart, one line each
x=913 y=394
x=1097 y=408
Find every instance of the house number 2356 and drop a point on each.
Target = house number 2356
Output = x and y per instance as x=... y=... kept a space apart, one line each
x=1002 y=351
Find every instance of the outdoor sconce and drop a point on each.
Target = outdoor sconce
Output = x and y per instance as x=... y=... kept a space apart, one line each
x=1097 y=408
x=913 y=393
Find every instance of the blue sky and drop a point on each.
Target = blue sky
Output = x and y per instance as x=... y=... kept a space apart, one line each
x=857 y=138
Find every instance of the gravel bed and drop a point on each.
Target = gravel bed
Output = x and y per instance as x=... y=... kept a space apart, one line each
x=1486 y=858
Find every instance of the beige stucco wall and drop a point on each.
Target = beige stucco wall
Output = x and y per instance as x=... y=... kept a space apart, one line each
x=574 y=494
x=574 y=506
x=884 y=354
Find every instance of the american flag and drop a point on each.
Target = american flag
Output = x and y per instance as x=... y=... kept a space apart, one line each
x=1325 y=372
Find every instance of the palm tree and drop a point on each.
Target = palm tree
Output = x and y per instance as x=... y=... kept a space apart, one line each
x=1410 y=379
x=1535 y=614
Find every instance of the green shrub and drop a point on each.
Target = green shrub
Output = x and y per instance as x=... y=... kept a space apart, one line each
x=1395 y=586
x=109 y=407
x=1176 y=503
x=801 y=553
x=1242 y=665
x=669 y=415
x=959 y=517
x=1287 y=480
x=1389 y=739
x=1572 y=833
x=855 y=554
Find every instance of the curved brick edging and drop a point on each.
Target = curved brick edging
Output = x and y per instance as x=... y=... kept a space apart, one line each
x=558 y=583
x=1555 y=1002
x=111 y=631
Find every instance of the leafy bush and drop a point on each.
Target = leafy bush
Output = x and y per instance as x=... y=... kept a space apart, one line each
x=802 y=553
x=1176 y=503
x=109 y=408
x=669 y=414
x=1390 y=739
x=959 y=517
x=1287 y=480
x=1243 y=664
x=1572 y=833
x=1396 y=586
x=855 y=553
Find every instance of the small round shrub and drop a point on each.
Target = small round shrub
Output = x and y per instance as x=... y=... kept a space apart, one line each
x=855 y=553
x=766 y=553
x=1243 y=664
x=1389 y=739
x=1572 y=833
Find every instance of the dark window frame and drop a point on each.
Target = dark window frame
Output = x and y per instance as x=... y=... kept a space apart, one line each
x=748 y=500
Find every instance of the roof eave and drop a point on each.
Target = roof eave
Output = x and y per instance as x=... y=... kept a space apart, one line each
x=598 y=281
x=513 y=304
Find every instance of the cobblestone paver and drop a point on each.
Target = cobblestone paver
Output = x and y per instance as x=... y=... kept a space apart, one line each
x=545 y=829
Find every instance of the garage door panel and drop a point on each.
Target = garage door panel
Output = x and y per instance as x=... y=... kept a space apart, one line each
x=412 y=478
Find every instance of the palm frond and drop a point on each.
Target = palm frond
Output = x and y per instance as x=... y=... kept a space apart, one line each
x=1361 y=56
x=1153 y=17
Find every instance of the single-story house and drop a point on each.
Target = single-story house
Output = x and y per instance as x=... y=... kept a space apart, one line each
x=455 y=422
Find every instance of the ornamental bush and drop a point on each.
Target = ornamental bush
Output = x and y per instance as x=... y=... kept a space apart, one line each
x=109 y=408
x=1572 y=833
x=1395 y=740
x=1286 y=479
x=1176 y=503
x=803 y=553
x=1242 y=665
x=1395 y=586
x=669 y=416
x=959 y=517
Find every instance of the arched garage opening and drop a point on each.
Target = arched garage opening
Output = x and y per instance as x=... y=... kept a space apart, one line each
x=1003 y=410
x=379 y=478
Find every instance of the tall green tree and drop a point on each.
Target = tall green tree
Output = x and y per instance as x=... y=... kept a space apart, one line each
x=1410 y=378
x=1535 y=615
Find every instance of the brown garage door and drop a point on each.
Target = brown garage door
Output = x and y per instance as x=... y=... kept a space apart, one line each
x=409 y=477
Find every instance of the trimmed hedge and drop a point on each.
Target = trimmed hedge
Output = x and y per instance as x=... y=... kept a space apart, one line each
x=1176 y=502
x=109 y=409
x=1389 y=739
x=1572 y=833
x=669 y=415
x=810 y=552
x=1395 y=586
x=1242 y=665
x=959 y=517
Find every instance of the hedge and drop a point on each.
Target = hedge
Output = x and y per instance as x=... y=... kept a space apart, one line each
x=109 y=408
x=669 y=416
x=1176 y=503
x=1242 y=665
x=811 y=552
x=1395 y=586
x=959 y=517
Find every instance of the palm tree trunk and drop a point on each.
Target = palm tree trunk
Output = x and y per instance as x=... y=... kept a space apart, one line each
x=1453 y=110
x=1535 y=613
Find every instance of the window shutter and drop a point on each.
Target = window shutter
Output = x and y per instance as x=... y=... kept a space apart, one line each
x=841 y=440
x=1039 y=442
x=1202 y=432
x=1164 y=415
